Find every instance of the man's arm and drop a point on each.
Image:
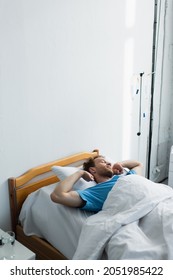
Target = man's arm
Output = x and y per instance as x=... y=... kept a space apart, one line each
x=63 y=192
x=130 y=164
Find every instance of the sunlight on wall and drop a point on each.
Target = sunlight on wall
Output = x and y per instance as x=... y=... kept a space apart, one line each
x=130 y=16
x=130 y=13
x=128 y=72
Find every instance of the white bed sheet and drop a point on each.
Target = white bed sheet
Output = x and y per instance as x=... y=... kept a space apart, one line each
x=58 y=224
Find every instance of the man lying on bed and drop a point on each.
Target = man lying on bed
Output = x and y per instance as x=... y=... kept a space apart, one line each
x=103 y=173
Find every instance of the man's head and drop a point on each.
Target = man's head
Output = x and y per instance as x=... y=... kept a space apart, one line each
x=99 y=167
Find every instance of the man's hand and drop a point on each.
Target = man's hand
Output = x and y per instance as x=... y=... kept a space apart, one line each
x=117 y=168
x=87 y=176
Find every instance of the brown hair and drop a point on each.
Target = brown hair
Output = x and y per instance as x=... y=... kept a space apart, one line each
x=90 y=163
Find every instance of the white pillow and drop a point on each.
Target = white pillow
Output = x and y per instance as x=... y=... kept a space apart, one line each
x=64 y=171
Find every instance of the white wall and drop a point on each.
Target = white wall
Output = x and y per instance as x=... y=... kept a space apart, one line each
x=62 y=79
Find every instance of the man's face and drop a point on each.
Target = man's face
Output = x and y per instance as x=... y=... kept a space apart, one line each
x=103 y=167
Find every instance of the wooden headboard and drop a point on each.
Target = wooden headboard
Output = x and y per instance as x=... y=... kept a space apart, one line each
x=38 y=177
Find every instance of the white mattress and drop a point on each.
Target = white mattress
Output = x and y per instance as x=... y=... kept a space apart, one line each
x=58 y=224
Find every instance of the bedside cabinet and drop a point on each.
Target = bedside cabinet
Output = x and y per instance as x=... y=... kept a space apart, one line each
x=20 y=251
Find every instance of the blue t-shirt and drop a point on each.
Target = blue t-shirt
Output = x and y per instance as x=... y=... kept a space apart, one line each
x=95 y=196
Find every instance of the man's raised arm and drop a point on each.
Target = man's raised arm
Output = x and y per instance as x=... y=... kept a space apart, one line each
x=63 y=192
x=130 y=164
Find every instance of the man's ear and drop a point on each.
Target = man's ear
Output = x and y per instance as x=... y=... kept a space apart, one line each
x=92 y=170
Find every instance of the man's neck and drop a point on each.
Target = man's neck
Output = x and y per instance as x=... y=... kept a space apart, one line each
x=101 y=179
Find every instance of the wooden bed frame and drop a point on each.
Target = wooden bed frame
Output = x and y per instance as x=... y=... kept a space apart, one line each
x=35 y=178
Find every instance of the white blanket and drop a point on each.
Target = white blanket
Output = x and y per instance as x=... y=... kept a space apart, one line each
x=136 y=222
